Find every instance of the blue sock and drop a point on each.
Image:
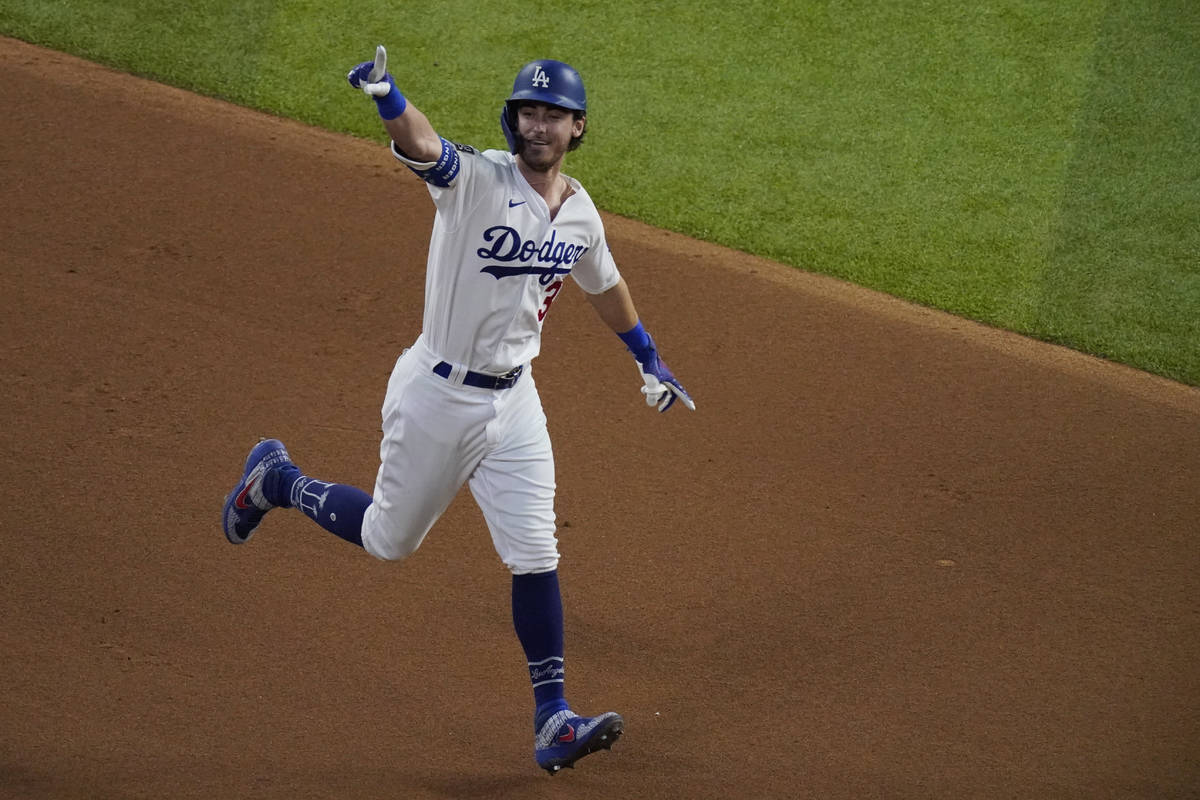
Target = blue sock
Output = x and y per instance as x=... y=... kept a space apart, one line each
x=277 y=485
x=336 y=507
x=538 y=619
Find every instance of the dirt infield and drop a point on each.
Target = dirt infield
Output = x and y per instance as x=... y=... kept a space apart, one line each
x=893 y=554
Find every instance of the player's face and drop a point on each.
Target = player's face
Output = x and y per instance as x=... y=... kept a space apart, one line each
x=546 y=132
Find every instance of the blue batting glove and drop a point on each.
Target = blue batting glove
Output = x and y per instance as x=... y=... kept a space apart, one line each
x=358 y=75
x=661 y=386
x=372 y=77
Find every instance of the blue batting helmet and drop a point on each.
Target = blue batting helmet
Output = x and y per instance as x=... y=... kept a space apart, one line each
x=551 y=82
x=545 y=81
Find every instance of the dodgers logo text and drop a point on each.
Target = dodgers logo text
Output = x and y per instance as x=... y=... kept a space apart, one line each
x=547 y=258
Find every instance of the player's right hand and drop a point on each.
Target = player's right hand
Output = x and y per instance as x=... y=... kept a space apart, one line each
x=372 y=76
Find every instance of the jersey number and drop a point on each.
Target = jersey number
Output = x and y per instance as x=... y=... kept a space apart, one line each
x=551 y=292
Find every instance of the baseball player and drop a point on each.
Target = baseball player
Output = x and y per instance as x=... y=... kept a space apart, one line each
x=461 y=404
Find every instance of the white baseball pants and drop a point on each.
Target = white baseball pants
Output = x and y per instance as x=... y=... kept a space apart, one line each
x=438 y=434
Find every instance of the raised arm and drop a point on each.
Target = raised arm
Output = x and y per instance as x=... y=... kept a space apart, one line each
x=404 y=122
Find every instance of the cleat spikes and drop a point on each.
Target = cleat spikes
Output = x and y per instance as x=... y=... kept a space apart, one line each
x=567 y=737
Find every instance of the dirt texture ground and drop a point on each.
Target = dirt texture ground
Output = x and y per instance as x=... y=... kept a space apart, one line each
x=892 y=554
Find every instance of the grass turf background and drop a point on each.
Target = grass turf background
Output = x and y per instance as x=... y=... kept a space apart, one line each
x=1034 y=165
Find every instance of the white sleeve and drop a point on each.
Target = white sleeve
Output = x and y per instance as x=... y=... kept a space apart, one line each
x=449 y=179
x=596 y=272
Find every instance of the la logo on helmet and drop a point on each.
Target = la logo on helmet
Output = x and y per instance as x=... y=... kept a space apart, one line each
x=540 y=78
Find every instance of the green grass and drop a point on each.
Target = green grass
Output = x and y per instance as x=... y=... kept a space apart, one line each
x=1031 y=164
x=1122 y=268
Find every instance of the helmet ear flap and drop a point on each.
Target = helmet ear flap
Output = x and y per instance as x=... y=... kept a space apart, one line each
x=507 y=124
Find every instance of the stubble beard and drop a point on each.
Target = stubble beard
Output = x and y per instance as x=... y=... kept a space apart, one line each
x=545 y=163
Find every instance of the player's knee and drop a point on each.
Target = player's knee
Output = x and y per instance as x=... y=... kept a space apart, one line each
x=391 y=533
x=391 y=548
x=389 y=544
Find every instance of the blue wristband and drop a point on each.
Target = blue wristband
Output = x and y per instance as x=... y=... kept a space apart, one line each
x=638 y=341
x=392 y=104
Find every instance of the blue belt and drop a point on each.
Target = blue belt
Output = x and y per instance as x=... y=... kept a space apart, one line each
x=480 y=380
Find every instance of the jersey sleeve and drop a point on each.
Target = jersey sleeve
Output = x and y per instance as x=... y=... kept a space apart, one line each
x=596 y=272
x=449 y=179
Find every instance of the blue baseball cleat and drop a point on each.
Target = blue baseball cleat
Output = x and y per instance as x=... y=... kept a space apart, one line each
x=565 y=738
x=245 y=506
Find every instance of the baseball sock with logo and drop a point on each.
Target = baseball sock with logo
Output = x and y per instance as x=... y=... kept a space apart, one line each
x=538 y=619
x=336 y=507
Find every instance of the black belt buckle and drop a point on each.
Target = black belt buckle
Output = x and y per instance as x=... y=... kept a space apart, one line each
x=507 y=380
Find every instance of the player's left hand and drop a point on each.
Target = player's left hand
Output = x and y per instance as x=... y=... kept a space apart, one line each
x=372 y=76
x=662 y=388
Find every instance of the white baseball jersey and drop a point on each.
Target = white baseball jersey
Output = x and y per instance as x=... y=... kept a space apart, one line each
x=497 y=260
x=496 y=263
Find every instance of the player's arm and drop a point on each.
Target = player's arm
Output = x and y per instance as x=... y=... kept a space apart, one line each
x=414 y=135
x=404 y=122
x=615 y=307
